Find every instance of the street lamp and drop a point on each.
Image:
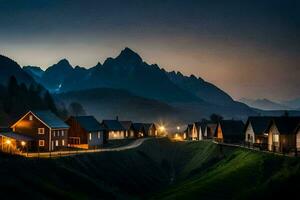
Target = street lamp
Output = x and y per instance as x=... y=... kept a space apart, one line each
x=178 y=128
x=23 y=143
x=8 y=142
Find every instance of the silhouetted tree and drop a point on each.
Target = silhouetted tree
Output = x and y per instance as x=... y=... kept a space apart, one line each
x=76 y=109
x=286 y=113
x=215 y=117
x=50 y=102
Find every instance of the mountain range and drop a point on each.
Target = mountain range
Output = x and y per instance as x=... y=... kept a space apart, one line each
x=264 y=104
x=129 y=72
x=154 y=92
x=9 y=68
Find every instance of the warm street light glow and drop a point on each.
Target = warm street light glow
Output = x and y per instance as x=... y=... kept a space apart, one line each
x=178 y=128
x=162 y=128
x=23 y=143
x=8 y=142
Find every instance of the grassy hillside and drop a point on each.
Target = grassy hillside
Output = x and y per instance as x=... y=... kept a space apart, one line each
x=158 y=169
x=236 y=174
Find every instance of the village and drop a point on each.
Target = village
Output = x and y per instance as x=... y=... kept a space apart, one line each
x=265 y=133
x=43 y=131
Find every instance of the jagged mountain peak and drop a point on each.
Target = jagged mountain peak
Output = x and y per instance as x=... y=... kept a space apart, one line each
x=129 y=56
x=63 y=63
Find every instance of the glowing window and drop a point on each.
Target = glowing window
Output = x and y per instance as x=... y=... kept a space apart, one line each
x=30 y=117
x=41 y=130
x=90 y=136
x=276 y=138
x=41 y=143
x=98 y=135
x=56 y=142
x=63 y=142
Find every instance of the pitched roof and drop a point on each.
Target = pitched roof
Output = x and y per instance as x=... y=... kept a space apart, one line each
x=50 y=119
x=113 y=125
x=7 y=132
x=89 y=123
x=212 y=126
x=259 y=124
x=137 y=126
x=126 y=124
x=232 y=128
x=198 y=125
x=189 y=127
x=147 y=126
x=286 y=125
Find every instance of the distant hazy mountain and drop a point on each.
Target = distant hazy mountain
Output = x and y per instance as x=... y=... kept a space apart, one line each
x=107 y=103
x=293 y=103
x=10 y=68
x=264 y=104
x=200 y=88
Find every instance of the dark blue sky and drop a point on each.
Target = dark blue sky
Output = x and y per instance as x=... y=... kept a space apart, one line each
x=248 y=48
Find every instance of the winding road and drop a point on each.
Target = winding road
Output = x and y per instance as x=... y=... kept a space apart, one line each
x=55 y=154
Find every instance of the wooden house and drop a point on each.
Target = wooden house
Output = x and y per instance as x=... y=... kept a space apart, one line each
x=49 y=133
x=255 y=131
x=114 y=129
x=284 y=134
x=230 y=131
x=191 y=132
x=150 y=129
x=198 y=127
x=209 y=130
x=126 y=125
x=85 y=132
x=138 y=130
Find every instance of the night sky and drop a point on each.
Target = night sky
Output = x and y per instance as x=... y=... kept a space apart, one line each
x=248 y=48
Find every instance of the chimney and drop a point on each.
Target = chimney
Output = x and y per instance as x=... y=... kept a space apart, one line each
x=117 y=118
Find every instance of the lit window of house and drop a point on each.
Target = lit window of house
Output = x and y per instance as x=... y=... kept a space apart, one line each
x=41 y=130
x=54 y=133
x=57 y=133
x=276 y=138
x=30 y=117
x=63 y=142
x=98 y=135
x=90 y=136
x=56 y=143
x=41 y=143
x=62 y=133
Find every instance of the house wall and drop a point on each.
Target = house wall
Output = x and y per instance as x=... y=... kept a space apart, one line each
x=298 y=140
x=205 y=132
x=59 y=138
x=200 y=134
x=152 y=131
x=220 y=137
x=286 y=142
x=76 y=133
x=193 y=133
x=96 y=139
x=249 y=134
x=115 y=135
x=272 y=145
x=30 y=127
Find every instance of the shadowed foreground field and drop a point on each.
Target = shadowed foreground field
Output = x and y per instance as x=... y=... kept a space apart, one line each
x=158 y=169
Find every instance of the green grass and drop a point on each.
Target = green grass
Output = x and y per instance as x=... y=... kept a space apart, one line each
x=158 y=169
